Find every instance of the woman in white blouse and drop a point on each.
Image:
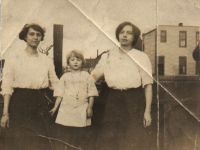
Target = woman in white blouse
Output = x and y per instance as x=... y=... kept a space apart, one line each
x=128 y=74
x=26 y=77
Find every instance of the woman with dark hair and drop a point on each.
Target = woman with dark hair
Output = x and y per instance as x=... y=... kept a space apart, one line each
x=128 y=74
x=25 y=81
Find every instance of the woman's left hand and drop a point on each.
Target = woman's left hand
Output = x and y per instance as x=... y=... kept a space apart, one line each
x=147 y=119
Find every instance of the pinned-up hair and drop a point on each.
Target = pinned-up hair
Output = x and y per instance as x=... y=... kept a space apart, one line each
x=24 y=31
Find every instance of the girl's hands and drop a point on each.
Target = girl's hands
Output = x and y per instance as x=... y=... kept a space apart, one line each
x=5 y=121
x=52 y=111
x=89 y=112
x=147 y=119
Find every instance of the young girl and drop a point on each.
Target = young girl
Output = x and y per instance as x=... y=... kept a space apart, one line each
x=78 y=97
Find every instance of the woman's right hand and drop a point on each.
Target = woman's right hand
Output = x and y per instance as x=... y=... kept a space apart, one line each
x=5 y=121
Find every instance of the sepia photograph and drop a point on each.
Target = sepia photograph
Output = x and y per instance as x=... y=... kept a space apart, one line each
x=100 y=75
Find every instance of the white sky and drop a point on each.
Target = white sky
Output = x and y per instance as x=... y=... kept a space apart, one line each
x=79 y=33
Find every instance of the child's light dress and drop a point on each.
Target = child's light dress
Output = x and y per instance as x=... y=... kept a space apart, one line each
x=73 y=108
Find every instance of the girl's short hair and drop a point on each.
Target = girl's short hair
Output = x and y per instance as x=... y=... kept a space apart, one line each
x=24 y=31
x=77 y=54
x=136 y=31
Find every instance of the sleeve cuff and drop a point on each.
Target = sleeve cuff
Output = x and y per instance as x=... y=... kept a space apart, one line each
x=58 y=93
x=7 y=92
x=147 y=82
x=93 y=94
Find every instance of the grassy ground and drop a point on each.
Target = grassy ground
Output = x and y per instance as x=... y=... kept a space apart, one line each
x=178 y=129
x=180 y=123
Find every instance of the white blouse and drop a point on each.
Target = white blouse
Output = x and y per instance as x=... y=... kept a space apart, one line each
x=22 y=70
x=124 y=70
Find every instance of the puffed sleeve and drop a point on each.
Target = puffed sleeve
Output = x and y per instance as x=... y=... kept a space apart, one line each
x=91 y=88
x=54 y=81
x=146 y=71
x=8 y=78
x=98 y=71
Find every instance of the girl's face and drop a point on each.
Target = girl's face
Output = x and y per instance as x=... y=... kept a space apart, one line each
x=33 y=38
x=75 y=63
x=126 y=36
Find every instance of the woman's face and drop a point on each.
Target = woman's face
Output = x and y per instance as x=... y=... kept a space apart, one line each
x=33 y=38
x=126 y=36
x=75 y=63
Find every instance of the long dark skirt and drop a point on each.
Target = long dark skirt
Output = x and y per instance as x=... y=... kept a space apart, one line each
x=122 y=127
x=73 y=137
x=29 y=118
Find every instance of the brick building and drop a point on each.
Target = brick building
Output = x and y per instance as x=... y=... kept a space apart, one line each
x=173 y=46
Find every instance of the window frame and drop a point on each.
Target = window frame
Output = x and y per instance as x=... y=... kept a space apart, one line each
x=163 y=36
x=184 y=59
x=184 y=39
x=197 y=38
x=163 y=63
x=197 y=67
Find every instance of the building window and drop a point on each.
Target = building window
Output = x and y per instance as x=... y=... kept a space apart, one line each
x=2 y=61
x=163 y=36
x=161 y=65
x=182 y=38
x=198 y=67
x=182 y=65
x=197 y=38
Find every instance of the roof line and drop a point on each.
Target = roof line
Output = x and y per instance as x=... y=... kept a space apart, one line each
x=168 y=26
x=180 y=26
x=149 y=31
